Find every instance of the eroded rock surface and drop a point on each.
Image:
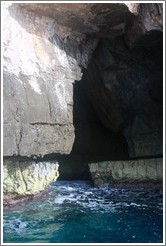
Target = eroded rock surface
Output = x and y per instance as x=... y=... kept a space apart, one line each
x=131 y=172
x=28 y=177
x=125 y=87
x=147 y=17
x=97 y=19
x=104 y=19
x=41 y=64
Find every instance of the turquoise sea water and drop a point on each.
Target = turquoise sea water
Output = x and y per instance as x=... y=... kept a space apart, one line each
x=76 y=212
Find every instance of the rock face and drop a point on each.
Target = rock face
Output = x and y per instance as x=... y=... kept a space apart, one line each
x=100 y=20
x=124 y=86
x=147 y=17
x=41 y=63
x=27 y=177
x=127 y=173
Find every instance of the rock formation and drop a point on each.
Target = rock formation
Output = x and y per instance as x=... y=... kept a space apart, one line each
x=89 y=83
x=135 y=173
x=40 y=67
x=28 y=177
x=129 y=100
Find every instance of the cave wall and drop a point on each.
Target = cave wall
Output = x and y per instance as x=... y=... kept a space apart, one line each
x=92 y=138
x=125 y=86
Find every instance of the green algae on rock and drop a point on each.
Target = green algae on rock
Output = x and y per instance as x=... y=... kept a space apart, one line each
x=28 y=177
x=130 y=172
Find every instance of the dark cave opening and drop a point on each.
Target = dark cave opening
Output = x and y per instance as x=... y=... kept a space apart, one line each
x=93 y=142
x=120 y=83
x=103 y=106
x=91 y=137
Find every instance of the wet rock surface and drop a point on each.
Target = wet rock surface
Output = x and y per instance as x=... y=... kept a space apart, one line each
x=22 y=178
x=136 y=173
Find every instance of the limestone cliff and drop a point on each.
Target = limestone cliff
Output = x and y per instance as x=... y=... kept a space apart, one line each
x=82 y=78
x=41 y=63
x=45 y=54
x=124 y=174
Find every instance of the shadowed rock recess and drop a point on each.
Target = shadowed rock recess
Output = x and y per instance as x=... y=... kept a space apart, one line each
x=82 y=84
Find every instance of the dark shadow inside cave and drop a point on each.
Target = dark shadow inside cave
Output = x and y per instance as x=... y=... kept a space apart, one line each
x=92 y=139
x=139 y=75
x=93 y=142
x=137 y=93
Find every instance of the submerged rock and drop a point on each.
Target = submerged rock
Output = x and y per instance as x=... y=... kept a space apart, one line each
x=22 y=178
x=131 y=172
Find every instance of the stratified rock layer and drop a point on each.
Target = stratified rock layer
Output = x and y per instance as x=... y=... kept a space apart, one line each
x=133 y=172
x=28 y=177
